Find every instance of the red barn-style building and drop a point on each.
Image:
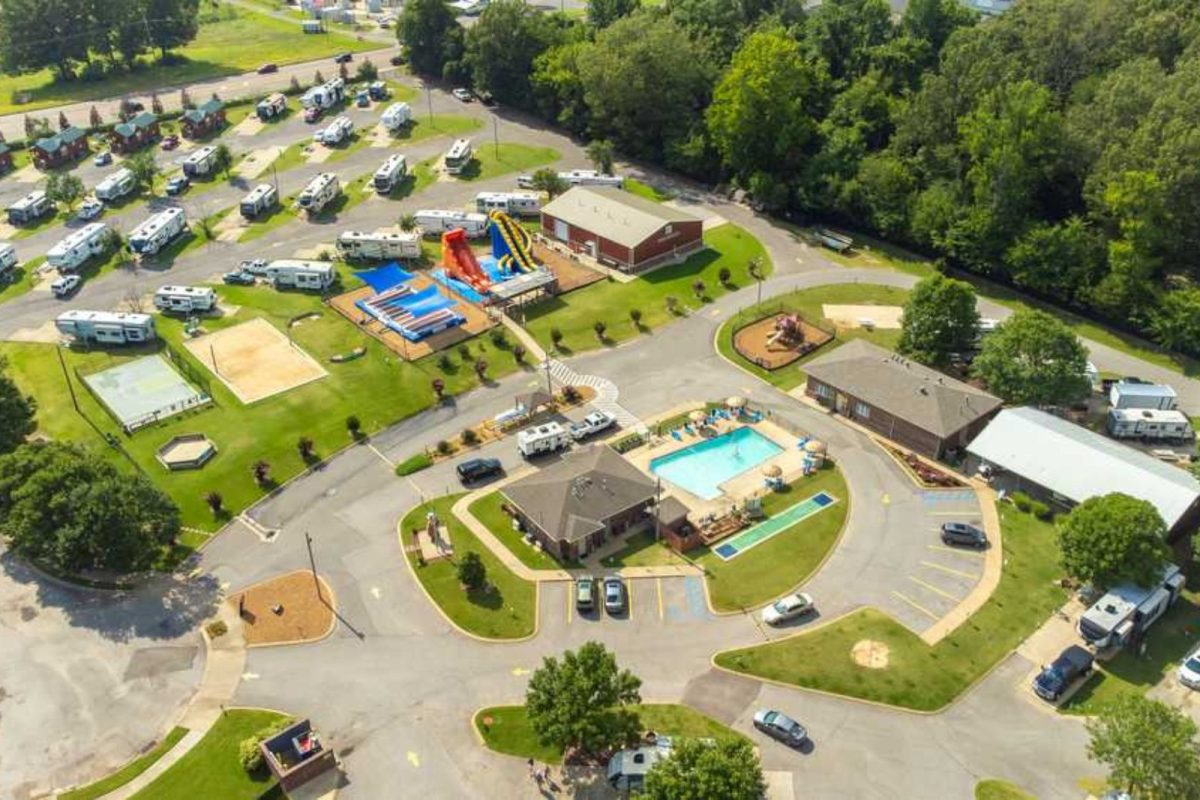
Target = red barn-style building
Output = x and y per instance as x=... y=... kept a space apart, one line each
x=203 y=120
x=64 y=147
x=135 y=133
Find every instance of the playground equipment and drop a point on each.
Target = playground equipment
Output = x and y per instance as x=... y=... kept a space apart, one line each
x=511 y=244
x=413 y=313
x=460 y=262
x=788 y=331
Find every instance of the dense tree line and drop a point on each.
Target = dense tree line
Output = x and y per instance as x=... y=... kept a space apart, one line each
x=1054 y=148
x=84 y=37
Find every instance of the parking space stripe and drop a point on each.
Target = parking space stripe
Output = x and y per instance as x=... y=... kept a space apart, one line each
x=958 y=572
x=933 y=588
x=957 y=552
x=629 y=590
x=658 y=586
x=917 y=606
x=570 y=605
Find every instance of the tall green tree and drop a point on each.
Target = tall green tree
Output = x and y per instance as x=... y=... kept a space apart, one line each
x=547 y=180
x=17 y=412
x=35 y=34
x=602 y=13
x=1175 y=323
x=171 y=23
x=424 y=30
x=1149 y=747
x=939 y=320
x=582 y=701
x=558 y=87
x=600 y=153
x=65 y=189
x=699 y=770
x=1062 y=260
x=144 y=168
x=1114 y=539
x=502 y=46
x=1034 y=359
x=845 y=32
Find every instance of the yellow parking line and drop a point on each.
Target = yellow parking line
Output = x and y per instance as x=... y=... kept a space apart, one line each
x=629 y=591
x=917 y=606
x=955 y=551
x=933 y=588
x=658 y=582
x=959 y=572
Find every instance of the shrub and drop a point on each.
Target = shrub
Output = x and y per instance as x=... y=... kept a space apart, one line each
x=443 y=447
x=216 y=628
x=1022 y=501
x=672 y=303
x=464 y=350
x=439 y=387
x=518 y=352
x=354 y=425
x=1040 y=510
x=570 y=394
x=556 y=336
x=627 y=443
x=469 y=436
x=698 y=289
x=599 y=327
x=635 y=314
x=499 y=339
x=444 y=363
x=413 y=464
x=723 y=275
x=471 y=572
x=481 y=367
x=250 y=755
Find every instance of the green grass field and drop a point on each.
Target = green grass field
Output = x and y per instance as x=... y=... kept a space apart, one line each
x=487 y=510
x=494 y=160
x=20 y=279
x=642 y=189
x=918 y=676
x=508 y=612
x=643 y=550
x=211 y=768
x=729 y=247
x=775 y=566
x=128 y=772
x=999 y=790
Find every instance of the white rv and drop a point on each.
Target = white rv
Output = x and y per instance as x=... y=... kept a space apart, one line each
x=261 y=198
x=106 y=327
x=578 y=177
x=458 y=156
x=324 y=96
x=157 y=232
x=29 y=208
x=1124 y=614
x=115 y=186
x=515 y=203
x=201 y=162
x=8 y=259
x=435 y=221
x=185 y=299
x=548 y=438
x=320 y=191
x=1149 y=424
x=1136 y=394
x=271 y=106
x=390 y=173
x=380 y=245
x=336 y=132
x=396 y=116
x=293 y=273
x=80 y=245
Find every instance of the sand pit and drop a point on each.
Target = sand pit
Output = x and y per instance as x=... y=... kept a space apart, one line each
x=249 y=126
x=870 y=654
x=255 y=360
x=886 y=317
x=302 y=615
x=256 y=162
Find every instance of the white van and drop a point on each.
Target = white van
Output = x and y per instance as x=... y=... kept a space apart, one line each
x=548 y=438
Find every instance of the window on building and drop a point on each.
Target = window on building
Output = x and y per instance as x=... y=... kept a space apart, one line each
x=823 y=390
x=667 y=230
x=862 y=410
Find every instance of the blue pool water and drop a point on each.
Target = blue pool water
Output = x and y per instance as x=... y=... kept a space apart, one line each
x=703 y=467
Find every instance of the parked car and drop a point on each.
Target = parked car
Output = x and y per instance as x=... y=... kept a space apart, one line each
x=591 y=424
x=178 y=185
x=170 y=142
x=135 y=105
x=397 y=60
x=256 y=267
x=614 y=595
x=476 y=469
x=1072 y=664
x=312 y=114
x=65 y=285
x=1189 y=670
x=487 y=99
x=90 y=209
x=788 y=608
x=238 y=277
x=267 y=69
x=362 y=99
x=585 y=593
x=780 y=726
x=102 y=159
x=343 y=58
x=963 y=534
x=463 y=94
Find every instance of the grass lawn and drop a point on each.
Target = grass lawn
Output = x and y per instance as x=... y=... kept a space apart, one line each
x=642 y=550
x=507 y=612
x=59 y=217
x=808 y=302
x=919 y=676
x=511 y=734
x=239 y=42
x=487 y=510
x=20 y=279
x=993 y=789
x=423 y=127
x=785 y=560
x=634 y=186
x=211 y=768
x=610 y=301
x=127 y=772
x=492 y=160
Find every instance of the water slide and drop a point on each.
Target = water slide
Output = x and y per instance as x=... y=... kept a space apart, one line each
x=459 y=260
x=510 y=239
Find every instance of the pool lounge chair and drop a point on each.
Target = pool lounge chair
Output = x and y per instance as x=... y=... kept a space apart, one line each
x=675 y=435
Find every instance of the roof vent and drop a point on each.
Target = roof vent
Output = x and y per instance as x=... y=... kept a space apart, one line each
x=923 y=390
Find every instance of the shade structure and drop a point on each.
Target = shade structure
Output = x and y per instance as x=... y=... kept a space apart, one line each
x=773 y=471
x=737 y=401
x=698 y=416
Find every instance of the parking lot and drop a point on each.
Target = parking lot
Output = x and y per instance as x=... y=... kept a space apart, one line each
x=653 y=604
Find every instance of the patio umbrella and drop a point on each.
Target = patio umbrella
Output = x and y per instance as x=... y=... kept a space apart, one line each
x=737 y=401
x=773 y=471
x=698 y=416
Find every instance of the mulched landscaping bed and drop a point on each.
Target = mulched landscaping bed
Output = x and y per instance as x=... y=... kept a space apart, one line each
x=750 y=341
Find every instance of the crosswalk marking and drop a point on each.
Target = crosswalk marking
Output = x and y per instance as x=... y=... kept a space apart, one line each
x=606 y=394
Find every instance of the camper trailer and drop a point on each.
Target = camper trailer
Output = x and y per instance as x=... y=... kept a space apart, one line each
x=324 y=96
x=458 y=156
x=548 y=438
x=379 y=245
x=80 y=245
x=1150 y=425
x=578 y=177
x=514 y=203
x=8 y=260
x=157 y=232
x=271 y=107
x=185 y=299
x=396 y=116
x=390 y=173
x=320 y=191
x=1122 y=616
x=1136 y=394
x=437 y=221
x=29 y=208
x=261 y=198
x=200 y=163
x=115 y=186
x=106 y=327
x=288 y=273
x=335 y=132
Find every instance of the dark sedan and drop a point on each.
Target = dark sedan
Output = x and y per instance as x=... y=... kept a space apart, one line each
x=961 y=533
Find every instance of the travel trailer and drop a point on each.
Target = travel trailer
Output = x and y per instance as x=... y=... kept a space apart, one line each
x=185 y=299
x=8 y=259
x=1150 y=425
x=436 y=221
x=115 y=186
x=157 y=232
x=324 y=96
x=29 y=208
x=80 y=245
x=289 y=273
x=200 y=163
x=396 y=116
x=336 y=132
x=271 y=107
x=548 y=438
x=1124 y=614
x=458 y=156
x=320 y=192
x=261 y=198
x=379 y=245
x=390 y=173
x=513 y=203
x=106 y=327
x=578 y=177
x=1138 y=394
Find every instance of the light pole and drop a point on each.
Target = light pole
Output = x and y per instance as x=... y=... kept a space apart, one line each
x=313 y=564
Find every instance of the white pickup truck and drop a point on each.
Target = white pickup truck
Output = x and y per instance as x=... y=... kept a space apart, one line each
x=592 y=424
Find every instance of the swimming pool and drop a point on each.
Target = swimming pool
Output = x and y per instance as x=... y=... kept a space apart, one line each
x=704 y=466
x=768 y=528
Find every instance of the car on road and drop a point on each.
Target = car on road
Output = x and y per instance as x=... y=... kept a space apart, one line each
x=397 y=60
x=1071 y=665
x=585 y=592
x=90 y=209
x=178 y=185
x=788 y=608
x=238 y=277
x=780 y=726
x=962 y=533
x=171 y=142
x=463 y=94
x=343 y=58
x=476 y=469
x=1189 y=670
x=487 y=99
x=65 y=285
x=267 y=69
x=102 y=159
x=614 y=595
x=593 y=423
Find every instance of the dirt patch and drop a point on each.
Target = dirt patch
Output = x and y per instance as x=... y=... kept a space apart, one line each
x=571 y=274
x=285 y=610
x=870 y=654
x=379 y=136
x=870 y=317
x=230 y=228
x=249 y=126
x=255 y=360
x=317 y=155
x=44 y=334
x=256 y=162
x=778 y=340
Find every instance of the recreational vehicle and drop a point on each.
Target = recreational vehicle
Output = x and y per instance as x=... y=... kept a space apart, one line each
x=435 y=221
x=548 y=438
x=80 y=245
x=1136 y=394
x=335 y=132
x=379 y=245
x=8 y=258
x=578 y=177
x=115 y=186
x=396 y=116
x=391 y=173
x=292 y=273
x=29 y=208
x=324 y=96
x=185 y=299
x=458 y=156
x=106 y=327
x=261 y=198
x=200 y=163
x=1149 y=424
x=320 y=192
x=1123 y=615
x=155 y=233
x=271 y=107
x=514 y=203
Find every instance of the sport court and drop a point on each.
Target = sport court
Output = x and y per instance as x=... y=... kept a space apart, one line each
x=141 y=391
x=255 y=360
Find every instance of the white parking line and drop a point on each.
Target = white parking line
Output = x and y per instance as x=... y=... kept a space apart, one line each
x=917 y=606
x=955 y=551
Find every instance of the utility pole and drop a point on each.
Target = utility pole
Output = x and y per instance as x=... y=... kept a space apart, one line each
x=312 y=562
x=275 y=177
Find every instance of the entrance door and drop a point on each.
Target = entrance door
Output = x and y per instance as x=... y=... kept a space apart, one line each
x=560 y=230
x=841 y=403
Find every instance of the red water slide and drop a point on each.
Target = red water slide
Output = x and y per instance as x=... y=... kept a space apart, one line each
x=459 y=261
